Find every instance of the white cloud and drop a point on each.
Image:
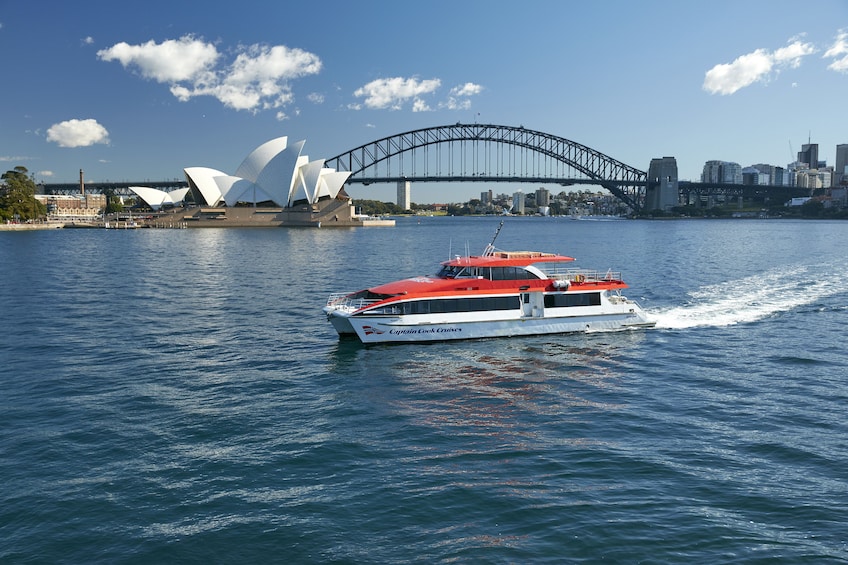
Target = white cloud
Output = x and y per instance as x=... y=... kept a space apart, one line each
x=258 y=78
x=88 y=40
x=467 y=89
x=839 y=52
x=459 y=96
x=44 y=173
x=456 y=104
x=173 y=60
x=78 y=133
x=393 y=93
x=755 y=67
x=419 y=105
x=315 y=98
x=13 y=158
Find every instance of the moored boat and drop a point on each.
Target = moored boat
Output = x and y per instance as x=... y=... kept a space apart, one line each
x=495 y=294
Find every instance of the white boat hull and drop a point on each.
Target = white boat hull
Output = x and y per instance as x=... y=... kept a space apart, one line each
x=380 y=329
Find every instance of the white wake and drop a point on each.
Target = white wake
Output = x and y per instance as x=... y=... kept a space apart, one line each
x=752 y=298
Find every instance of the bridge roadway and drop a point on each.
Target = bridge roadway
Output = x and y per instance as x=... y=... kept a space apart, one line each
x=122 y=188
x=688 y=191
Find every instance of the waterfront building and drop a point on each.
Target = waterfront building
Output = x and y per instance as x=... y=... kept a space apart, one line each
x=543 y=197
x=275 y=185
x=518 y=203
x=274 y=173
x=73 y=207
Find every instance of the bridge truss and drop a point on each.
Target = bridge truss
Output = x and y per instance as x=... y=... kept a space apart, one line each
x=489 y=153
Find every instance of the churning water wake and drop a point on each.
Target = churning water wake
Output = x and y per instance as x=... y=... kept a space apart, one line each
x=754 y=297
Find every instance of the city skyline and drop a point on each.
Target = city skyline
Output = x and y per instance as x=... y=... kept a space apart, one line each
x=163 y=87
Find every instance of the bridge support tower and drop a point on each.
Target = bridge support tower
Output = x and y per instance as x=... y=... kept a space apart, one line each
x=404 y=194
x=662 y=190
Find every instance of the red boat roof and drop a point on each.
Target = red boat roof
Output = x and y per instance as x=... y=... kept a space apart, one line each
x=507 y=259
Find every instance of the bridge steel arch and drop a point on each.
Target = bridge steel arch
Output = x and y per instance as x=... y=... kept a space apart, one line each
x=489 y=153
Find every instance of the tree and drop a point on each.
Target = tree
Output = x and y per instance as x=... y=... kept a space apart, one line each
x=812 y=209
x=17 y=196
x=113 y=203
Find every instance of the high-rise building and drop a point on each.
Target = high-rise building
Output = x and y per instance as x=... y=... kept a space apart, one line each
x=809 y=154
x=518 y=203
x=755 y=176
x=840 y=172
x=722 y=172
x=543 y=197
x=776 y=175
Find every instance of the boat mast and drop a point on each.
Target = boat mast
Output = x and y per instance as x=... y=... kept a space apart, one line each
x=491 y=247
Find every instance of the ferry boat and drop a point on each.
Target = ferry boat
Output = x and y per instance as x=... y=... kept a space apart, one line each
x=496 y=294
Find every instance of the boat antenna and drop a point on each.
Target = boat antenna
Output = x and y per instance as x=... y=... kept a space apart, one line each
x=491 y=247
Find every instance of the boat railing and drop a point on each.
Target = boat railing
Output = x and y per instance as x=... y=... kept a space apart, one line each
x=343 y=300
x=582 y=275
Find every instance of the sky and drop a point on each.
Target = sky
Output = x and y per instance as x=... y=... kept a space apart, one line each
x=137 y=91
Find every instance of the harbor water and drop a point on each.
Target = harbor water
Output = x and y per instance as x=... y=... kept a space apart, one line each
x=178 y=396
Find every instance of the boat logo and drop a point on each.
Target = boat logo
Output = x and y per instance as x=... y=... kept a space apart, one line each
x=368 y=330
x=421 y=279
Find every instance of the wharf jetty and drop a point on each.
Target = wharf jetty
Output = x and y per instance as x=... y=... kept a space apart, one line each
x=31 y=227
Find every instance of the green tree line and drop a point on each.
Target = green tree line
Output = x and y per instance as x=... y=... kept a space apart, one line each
x=17 y=197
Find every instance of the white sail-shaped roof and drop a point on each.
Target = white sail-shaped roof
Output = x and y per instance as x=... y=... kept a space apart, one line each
x=233 y=188
x=275 y=171
x=260 y=157
x=156 y=198
x=178 y=195
x=203 y=180
x=153 y=197
x=278 y=174
x=331 y=183
x=307 y=181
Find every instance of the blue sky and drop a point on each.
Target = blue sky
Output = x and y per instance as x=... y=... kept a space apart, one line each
x=138 y=91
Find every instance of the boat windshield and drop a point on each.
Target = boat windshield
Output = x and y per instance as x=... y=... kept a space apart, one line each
x=368 y=295
x=452 y=272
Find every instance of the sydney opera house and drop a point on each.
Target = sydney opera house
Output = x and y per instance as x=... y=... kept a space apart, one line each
x=274 y=185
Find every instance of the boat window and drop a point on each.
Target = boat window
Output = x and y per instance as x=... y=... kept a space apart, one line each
x=511 y=274
x=452 y=305
x=569 y=299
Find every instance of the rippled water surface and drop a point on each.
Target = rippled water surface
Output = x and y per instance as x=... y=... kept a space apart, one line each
x=177 y=395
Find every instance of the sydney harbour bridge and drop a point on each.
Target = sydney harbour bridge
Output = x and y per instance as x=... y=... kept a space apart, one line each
x=487 y=153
